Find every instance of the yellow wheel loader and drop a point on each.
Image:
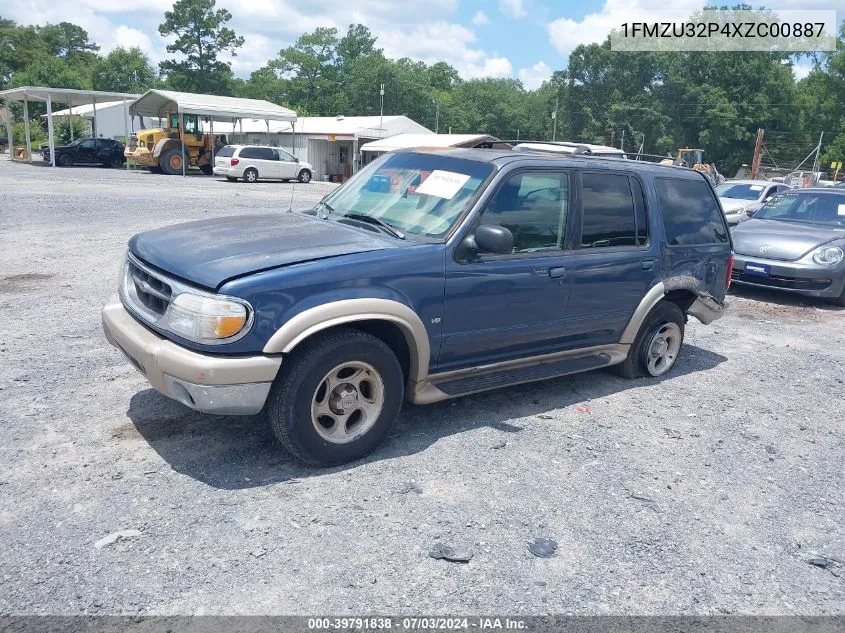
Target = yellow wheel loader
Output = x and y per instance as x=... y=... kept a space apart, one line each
x=160 y=150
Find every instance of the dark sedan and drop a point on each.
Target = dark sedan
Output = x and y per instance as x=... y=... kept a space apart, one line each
x=795 y=242
x=88 y=151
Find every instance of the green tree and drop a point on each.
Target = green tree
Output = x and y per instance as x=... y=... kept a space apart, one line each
x=200 y=38
x=311 y=66
x=124 y=70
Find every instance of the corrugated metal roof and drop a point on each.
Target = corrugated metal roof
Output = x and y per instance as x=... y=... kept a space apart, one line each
x=62 y=95
x=219 y=108
x=88 y=108
x=360 y=126
x=402 y=141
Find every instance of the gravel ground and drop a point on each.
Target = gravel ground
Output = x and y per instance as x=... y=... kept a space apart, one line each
x=713 y=490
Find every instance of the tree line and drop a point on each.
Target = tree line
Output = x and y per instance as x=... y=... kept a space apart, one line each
x=657 y=101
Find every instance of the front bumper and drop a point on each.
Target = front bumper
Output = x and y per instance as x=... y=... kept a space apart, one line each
x=226 y=385
x=799 y=277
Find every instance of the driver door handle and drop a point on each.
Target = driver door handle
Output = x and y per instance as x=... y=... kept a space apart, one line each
x=557 y=273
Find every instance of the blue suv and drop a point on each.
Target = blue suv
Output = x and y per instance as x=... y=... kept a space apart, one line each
x=430 y=274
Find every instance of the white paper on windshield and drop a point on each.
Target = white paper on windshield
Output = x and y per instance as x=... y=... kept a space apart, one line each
x=840 y=210
x=756 y=187
x=443 y=184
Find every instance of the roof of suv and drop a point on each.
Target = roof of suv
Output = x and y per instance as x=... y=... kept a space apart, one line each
x=502 y=157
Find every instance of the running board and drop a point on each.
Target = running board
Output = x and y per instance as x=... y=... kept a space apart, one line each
x=466 y=381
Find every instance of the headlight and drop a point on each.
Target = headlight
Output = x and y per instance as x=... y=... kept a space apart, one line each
x=205 y=319
x=828 y=255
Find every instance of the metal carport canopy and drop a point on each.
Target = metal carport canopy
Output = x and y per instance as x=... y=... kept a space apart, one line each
x=155 y=102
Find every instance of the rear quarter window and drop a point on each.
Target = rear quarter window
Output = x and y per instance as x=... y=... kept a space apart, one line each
x=226 y=151
x=690 y=212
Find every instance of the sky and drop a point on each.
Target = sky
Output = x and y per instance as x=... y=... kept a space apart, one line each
x=525 y=39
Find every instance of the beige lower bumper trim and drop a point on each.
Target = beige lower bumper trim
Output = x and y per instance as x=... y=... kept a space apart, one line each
x=157 y=357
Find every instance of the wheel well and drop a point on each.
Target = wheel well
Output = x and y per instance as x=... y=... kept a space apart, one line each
x=390 y=333
x=682 y=298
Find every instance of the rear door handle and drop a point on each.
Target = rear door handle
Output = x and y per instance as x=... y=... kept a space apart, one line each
x=647 y=264
x=558 y=272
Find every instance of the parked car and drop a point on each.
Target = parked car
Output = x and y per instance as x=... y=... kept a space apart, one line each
x=87 y=151
x=4 y=143
x=795 y=242
x=430 y=274
x=257 y=162
x=741 y=198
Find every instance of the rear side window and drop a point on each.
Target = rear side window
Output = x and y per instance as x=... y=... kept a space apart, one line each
x=690 y=212
x=226 y=151
x=609 y=216
x=260 y=153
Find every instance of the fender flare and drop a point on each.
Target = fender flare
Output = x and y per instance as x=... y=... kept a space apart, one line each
x=651 y=299
x=311 y=321
x=160 y=145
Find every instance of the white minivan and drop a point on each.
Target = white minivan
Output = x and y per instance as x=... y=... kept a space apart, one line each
x=259 y=162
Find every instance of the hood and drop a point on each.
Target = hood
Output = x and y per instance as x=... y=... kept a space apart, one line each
x=780 y=240
x=732 y=204
x=211 y=252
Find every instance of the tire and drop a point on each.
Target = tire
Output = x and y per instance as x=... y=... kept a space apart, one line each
x=208 y=170
x=64 y=160
x=302 y=398
x=251 y=175
x=840 y=300
x=115 y=163
x=666 y=321
x=304 y=176
x=170 y=161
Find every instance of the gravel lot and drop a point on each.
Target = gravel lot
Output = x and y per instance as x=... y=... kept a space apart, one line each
x=709 y=491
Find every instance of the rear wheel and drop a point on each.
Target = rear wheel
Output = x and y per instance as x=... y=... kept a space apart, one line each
x=251 y=175
x=171 y=162
x=657 y=345
x=64 y=160
x=116 y=163
x=304 y=176
x=208 y=170
x=336 y=398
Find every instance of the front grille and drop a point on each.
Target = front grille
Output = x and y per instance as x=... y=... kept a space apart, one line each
x=780 y=281
x=153 y=293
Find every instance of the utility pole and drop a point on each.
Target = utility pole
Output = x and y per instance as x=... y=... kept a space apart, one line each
x=758 y=153
x=381 y=114
x=554 y=119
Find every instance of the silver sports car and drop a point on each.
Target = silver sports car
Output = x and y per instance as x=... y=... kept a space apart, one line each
x=795 y=242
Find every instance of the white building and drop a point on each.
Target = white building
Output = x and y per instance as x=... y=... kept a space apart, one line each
x=331 y=144
x=112 y=119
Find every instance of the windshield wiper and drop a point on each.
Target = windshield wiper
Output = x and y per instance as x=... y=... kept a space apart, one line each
x=377 y=221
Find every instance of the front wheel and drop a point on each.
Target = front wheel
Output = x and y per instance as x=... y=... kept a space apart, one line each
x=657 y=345
x=304 y=176
x=336 y=398
x=64 y=160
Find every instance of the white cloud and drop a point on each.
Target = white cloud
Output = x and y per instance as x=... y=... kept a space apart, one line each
x=420 y=30
x=512 y=8
x=565 y=34
x=800 y=70
x=532 y=78
x=480 y=18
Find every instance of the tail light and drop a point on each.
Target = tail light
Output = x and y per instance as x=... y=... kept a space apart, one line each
x=730 y=271
x=234 y=162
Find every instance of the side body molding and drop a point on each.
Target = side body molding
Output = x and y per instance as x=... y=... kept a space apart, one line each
x=321 y=317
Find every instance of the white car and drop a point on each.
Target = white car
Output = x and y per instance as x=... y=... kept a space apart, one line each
x=566 y=147
x=259 y=162
x=741 y=198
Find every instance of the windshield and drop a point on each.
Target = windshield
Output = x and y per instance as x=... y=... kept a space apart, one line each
x=739 y=192
x=416 y=193
x=817 y=208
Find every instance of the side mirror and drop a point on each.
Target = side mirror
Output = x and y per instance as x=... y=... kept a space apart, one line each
x=492 y=238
